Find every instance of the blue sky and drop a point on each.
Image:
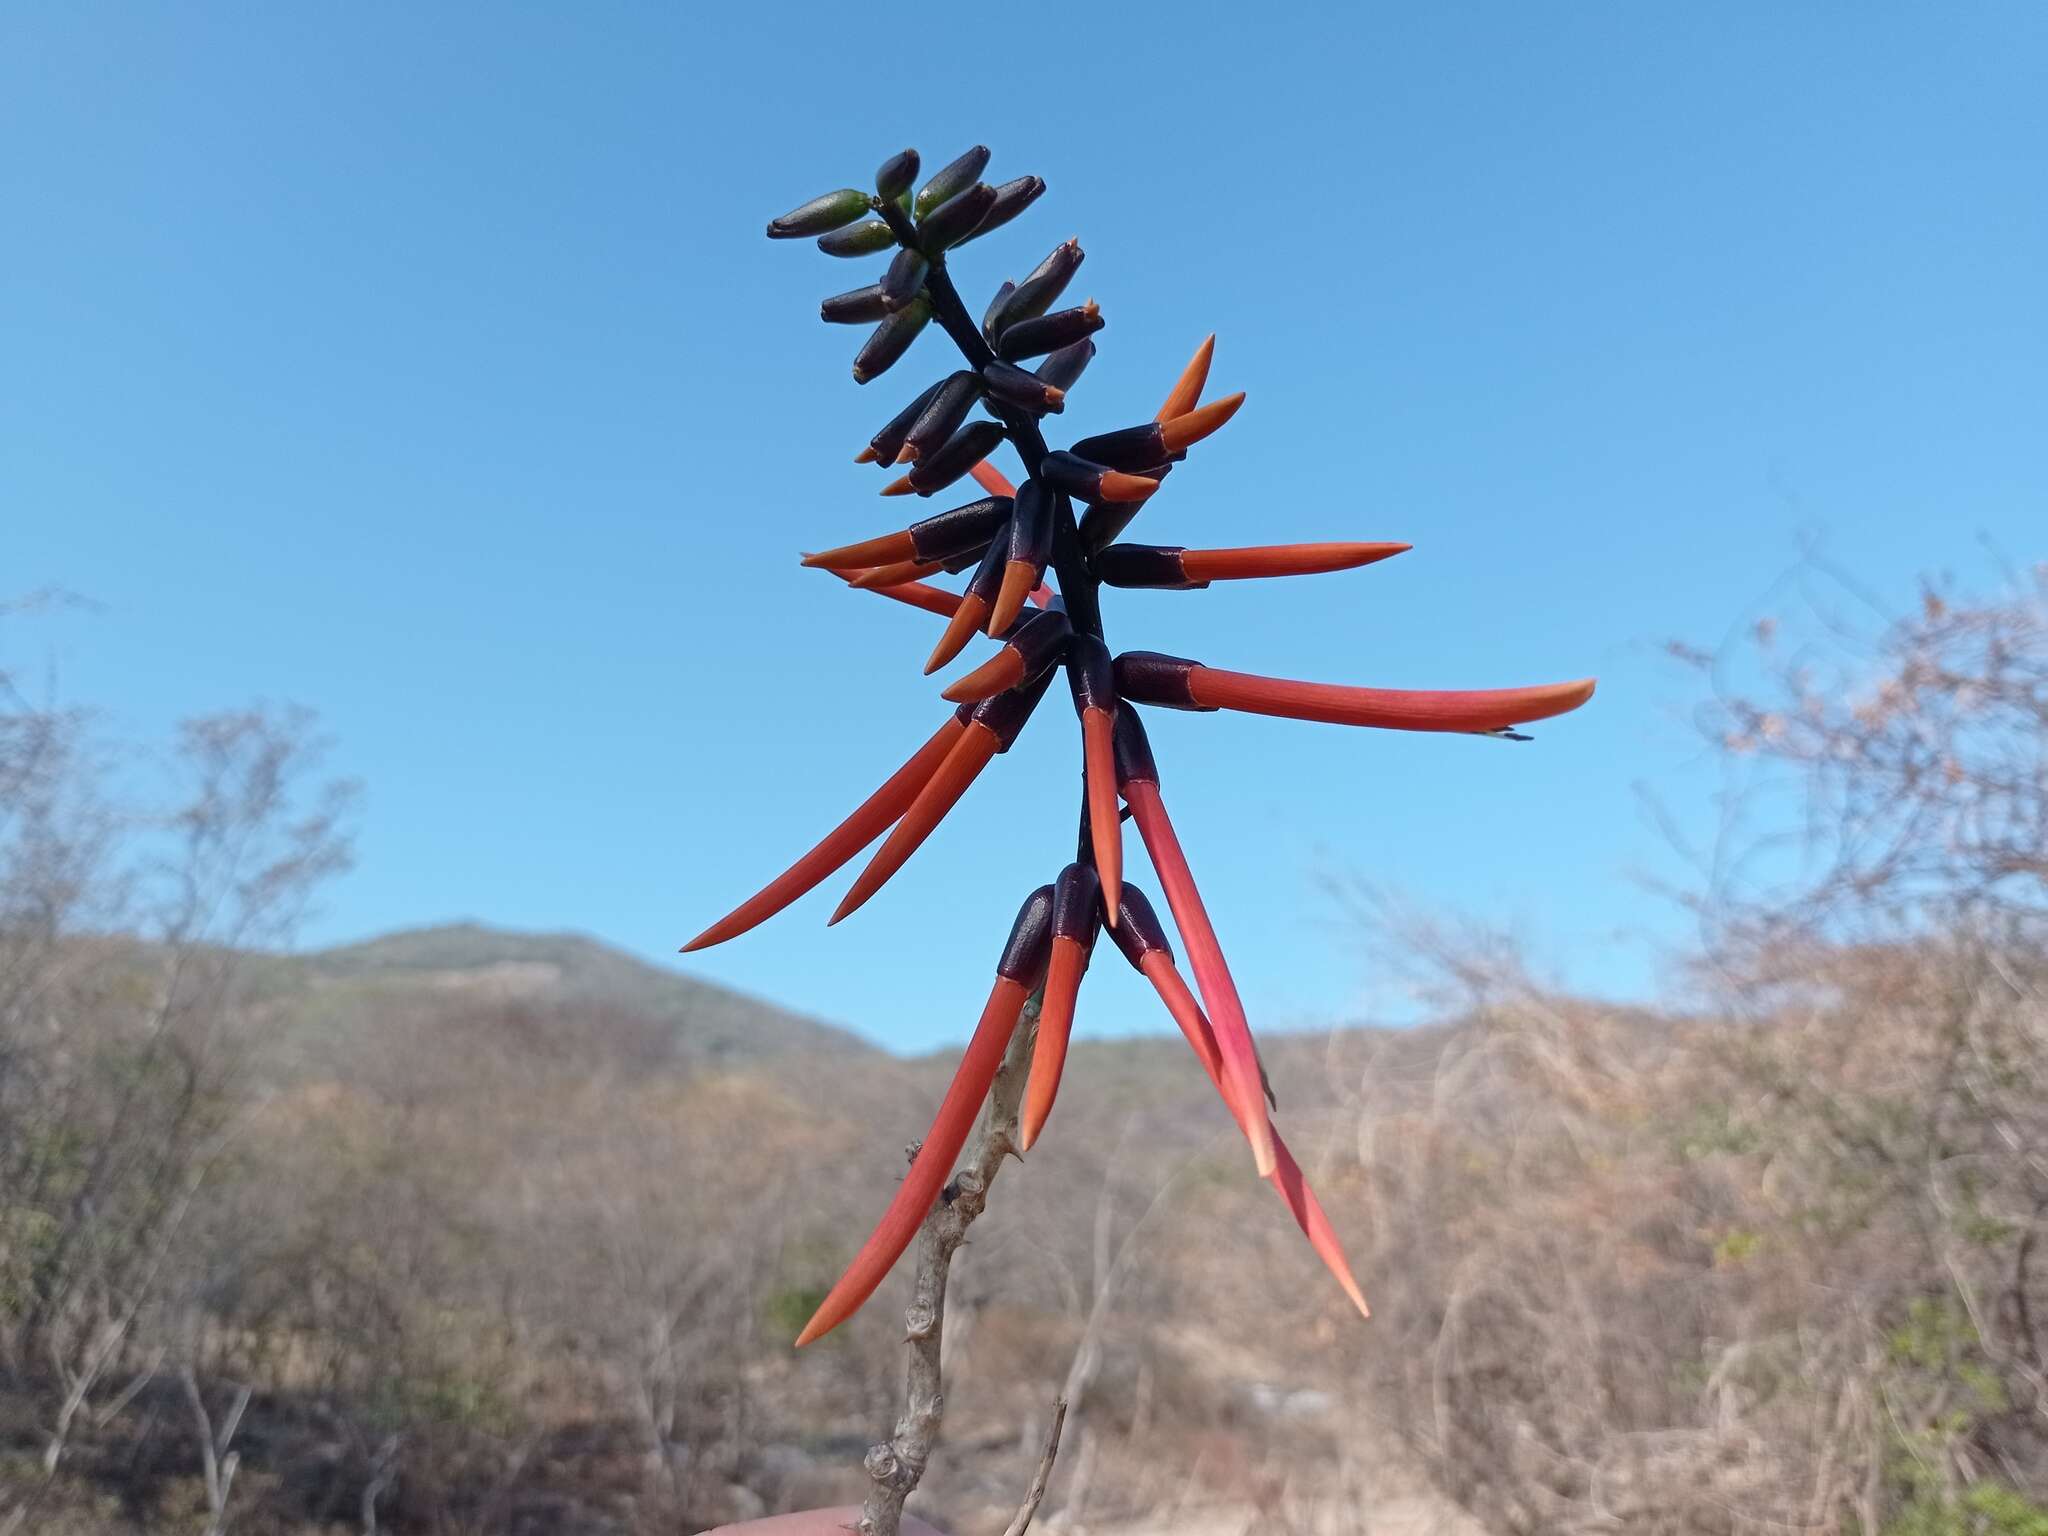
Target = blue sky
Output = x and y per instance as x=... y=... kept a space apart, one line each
x=426 y=366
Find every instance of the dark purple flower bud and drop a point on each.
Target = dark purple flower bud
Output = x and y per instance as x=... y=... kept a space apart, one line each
x=960 y=532
x=868 y=238
x=954 y=219
x=950 y=460
x=1030 y=943
x=1148 y=677
x=1012 y=198
x=1077 y=906
x=1042 y=287
x=905 y=277
x=1143 y=565
x=861 y=306
x=886 y=444
x=1048 y=333
x=896 y=175
x=943 y=416
x=951 y=180
x=1064 y=368
x=1134 y=760
x=891 y=339
x=994 y=311
x=821 y=215
x=1138 y=931
x=1022 y=388
x=1091 y=482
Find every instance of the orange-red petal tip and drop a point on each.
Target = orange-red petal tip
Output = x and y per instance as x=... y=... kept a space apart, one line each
x=898 y=487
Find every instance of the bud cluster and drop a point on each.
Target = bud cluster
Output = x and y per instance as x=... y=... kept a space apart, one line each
x=1036 y=554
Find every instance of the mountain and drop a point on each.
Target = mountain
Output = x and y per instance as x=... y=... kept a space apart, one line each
x=580 y=987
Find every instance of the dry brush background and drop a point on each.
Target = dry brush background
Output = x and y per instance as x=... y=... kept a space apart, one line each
x=465 y=1231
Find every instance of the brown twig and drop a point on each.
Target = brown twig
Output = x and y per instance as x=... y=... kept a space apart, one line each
x=897 y=1464
x=1043 y=1475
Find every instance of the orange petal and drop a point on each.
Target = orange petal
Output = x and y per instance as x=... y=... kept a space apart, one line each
x=866 y=824
x=1281 y=560
x=1003 y=670
x=1105 y=826
x=1118 y=486
x=1187 y=389
x=895 y=575
x=917 y=595
x=1314 y=1224
x=881 y=550
x=1205 y=958
x=1019 y=577
x=1286 y=1177
x=1055 y=1020
x=1184 y=431
x=965 y=622
x=1394 y=708
x=971 y=752
x=933 y=1165
x=993 y=480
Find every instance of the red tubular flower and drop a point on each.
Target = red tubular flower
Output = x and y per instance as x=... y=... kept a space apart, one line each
x=1171 y=567
x=894 y=575
x=935 y=540
x=1147 y=677
x=916 y=594
x=1023 y=963
x=975 y=604
x=1016 y=541
x=867 y=823
x=1138 y=779
x=1187 y=389
x=1143 y=943
x=1076 y=919
x=992 y=725
x=1090 y=676
x=1024 y=559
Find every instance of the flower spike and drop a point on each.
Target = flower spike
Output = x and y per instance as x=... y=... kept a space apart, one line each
x=1023 y=960
x=1090 y=676
x=1138 y=780
x=1062 y=527
x=1076 y=919
x=1028 y=649
x=868 y=822
x=1187 y=389
x=1146 y=677
x=1182 y=570
x=992 y=726
x=1024 y=560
